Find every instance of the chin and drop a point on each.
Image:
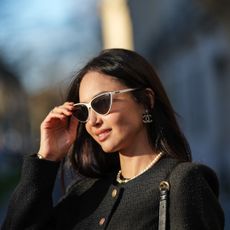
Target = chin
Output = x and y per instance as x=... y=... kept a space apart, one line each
x=109 y=149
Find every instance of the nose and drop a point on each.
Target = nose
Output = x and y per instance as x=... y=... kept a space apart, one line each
x=94 y=118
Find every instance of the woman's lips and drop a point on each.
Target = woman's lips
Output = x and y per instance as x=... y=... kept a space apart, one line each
x=103 y=134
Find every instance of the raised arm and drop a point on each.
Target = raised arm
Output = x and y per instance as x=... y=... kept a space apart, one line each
x=31 y=201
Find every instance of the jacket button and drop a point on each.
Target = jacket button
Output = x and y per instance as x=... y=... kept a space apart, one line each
x=114 y=192
x=102 y=221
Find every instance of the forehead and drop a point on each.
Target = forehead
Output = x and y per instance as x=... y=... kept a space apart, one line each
x=94 y=83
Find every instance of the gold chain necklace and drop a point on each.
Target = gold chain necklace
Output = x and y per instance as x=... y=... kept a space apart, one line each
x=125 y=180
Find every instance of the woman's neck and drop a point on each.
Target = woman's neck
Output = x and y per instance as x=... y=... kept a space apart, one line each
x=134 y=164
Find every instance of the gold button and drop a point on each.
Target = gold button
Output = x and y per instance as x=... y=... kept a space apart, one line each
x=114 y=192
x=102 y=221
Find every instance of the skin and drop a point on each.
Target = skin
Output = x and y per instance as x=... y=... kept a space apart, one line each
x=121 y=130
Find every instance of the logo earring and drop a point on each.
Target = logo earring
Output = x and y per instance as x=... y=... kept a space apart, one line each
x=147 y=117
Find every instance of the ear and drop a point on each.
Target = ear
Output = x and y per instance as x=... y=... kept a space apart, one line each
x=151 y=97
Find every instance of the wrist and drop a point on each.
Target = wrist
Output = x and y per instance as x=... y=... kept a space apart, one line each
x=49 y=157
x=39 y=156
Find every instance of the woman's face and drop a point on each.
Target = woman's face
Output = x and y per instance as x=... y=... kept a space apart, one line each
x=122 y=129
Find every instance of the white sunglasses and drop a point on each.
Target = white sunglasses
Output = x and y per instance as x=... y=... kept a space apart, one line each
x=101 y=104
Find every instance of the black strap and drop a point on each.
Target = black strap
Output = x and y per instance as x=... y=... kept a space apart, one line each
x=164 y=188
x=164 y=192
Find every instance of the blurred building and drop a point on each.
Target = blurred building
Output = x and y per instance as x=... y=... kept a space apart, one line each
x=14 y=131
x=14 y=125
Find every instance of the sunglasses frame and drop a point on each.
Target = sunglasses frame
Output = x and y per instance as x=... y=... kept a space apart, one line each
x=112 y=93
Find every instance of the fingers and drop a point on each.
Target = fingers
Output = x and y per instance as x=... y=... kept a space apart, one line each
x=65 y=109
x=58 y=113
x=62 y=111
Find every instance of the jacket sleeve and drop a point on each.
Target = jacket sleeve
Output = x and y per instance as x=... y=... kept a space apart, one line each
x=194 y=199
x=31 y=201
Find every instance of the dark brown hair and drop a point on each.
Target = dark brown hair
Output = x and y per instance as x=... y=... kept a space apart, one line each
x=134 y=71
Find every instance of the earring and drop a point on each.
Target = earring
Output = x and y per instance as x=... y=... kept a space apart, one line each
x=147 y=117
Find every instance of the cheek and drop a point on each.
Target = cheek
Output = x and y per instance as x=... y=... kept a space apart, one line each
x=125 y=122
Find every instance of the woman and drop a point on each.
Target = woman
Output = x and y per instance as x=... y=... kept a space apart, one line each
x=123 y=138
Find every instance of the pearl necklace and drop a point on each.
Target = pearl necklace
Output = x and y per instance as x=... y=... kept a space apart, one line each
x=125 y=180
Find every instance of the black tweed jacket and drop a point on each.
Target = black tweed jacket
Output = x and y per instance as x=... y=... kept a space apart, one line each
x=92 y=204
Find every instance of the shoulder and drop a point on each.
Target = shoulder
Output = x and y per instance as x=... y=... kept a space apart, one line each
x=194 y=204
x=194 y=176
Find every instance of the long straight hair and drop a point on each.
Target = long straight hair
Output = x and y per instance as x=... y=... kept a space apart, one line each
x=134 y=71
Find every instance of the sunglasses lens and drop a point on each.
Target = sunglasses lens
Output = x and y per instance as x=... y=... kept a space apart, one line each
x=81 y=112
x=101 y=104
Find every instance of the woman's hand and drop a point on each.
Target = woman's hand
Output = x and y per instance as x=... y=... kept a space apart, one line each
x=57 y=133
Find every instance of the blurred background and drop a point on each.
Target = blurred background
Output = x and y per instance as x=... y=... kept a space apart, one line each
x=43 y=43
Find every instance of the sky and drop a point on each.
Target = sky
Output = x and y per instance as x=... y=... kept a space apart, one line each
x=45 y=41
